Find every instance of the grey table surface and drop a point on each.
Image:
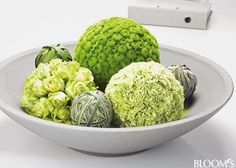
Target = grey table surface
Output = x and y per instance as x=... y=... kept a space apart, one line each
x=27 y=24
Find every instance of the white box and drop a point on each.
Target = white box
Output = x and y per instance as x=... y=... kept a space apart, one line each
x=173 y=13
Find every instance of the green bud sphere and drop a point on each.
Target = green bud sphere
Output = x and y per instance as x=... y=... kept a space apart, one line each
x=35 y=86
x=61 y=115
x=41 y=108
x=58 y=99
x=49 y=90
x=42 y=71
x=74 y=88
x=53 y=84
x=112 y=44
x=27 y=101
x=64 y=70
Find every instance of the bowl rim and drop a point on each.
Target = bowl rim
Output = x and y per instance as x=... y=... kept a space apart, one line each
x=214 y=107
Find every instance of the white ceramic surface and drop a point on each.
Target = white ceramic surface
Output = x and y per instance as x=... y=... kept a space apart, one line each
x=215 y=87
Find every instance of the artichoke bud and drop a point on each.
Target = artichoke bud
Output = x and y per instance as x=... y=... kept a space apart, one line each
x=186 y=78
x=47 y=53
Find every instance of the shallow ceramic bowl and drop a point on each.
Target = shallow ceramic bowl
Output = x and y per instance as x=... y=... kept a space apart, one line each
x=214 y=89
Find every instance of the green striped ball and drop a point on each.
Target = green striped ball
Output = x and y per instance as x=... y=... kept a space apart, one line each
x=91 y=109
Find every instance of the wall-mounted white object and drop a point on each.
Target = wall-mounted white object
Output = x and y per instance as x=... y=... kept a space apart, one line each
x=173 y=13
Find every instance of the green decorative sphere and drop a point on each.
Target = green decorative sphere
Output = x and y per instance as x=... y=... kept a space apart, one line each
x=111 y=44
x=145 y=94
x=51 y=87
x=91 y=109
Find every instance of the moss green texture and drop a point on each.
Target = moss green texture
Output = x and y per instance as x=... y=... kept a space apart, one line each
x=112 y=44
x=145 y=94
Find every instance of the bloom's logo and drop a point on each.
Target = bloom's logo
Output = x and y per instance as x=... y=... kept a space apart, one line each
x=215 y=163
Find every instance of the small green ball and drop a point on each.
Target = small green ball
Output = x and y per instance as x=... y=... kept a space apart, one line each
x=91 y=109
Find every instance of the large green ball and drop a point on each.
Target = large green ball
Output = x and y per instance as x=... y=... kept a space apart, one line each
x=145 y=94
x=111 y=44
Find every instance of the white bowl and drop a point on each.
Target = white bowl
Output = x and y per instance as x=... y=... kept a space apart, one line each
x=214 y=89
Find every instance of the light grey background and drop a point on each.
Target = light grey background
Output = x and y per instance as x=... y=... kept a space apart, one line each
x=27 y=24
